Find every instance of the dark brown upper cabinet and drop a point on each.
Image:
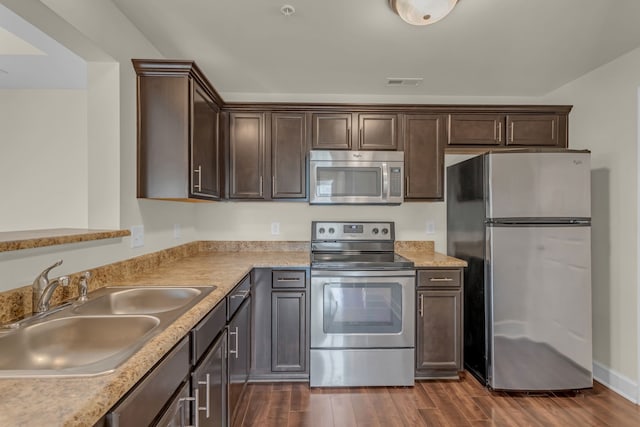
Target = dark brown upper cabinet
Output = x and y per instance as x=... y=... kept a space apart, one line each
x=424 y=140
x=476 y=129
x=288 y=155
x=497 y=127
x=377 y=131
x=247 y=148
x=534 y=130
x=374 y=131
x=331 y=131
x=179 y=155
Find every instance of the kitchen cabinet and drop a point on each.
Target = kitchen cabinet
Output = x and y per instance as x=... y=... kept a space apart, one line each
x=239 y=348
x=289 y=149
x=145 y=402
x=374 y=131
x=514 y=127
x=424 y=156
x=179 y=150
x=378 y=131
x=534 y=130
x=331 y=131
x=281 y=325
x=247 y=149
x=439 y=323
x=209 y=379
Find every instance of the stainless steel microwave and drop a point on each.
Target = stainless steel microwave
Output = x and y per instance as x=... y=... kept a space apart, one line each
x=356 y=177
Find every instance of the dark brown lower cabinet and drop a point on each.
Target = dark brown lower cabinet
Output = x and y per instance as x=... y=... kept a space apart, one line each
x=239 y=334
x=288 y=334
x=209 y=387
x=280 y=325
x=439 y=324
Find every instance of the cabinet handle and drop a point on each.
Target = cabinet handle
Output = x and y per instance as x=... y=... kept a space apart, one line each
x=349 y=137
x=260 y=185
x=236 y=339
x=499 y=131
x=184 y=407
x=273 y=186
x=207 y=383
x=241 y=294
x=288 y=279
x=421 y=310
x=198 y=186
x=511 y=133
x=441 y=279
x=553 y=129
x=361 y=138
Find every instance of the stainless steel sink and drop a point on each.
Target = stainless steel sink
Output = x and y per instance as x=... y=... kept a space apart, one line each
x=94 y=337
x=145 y=300
x=87 y=344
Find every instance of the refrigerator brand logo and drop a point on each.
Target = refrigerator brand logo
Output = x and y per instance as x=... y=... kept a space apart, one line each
x=577 y=162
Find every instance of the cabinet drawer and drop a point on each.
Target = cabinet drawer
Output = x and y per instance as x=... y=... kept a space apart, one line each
x=205 y=332
x=238 y=295
x=148 y=397
x=439 y=278
x=288 y=279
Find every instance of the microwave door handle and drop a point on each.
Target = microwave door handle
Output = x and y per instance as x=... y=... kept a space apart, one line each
x=385 y=182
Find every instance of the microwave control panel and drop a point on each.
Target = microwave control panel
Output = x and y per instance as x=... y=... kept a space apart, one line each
x=395 y=181
x=324 y=230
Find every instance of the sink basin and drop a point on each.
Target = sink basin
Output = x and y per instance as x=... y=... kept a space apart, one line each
x=94 y=337
x=143 y=300
x=78 y=344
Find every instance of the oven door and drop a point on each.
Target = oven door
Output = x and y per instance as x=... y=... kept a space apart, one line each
x=362 y=309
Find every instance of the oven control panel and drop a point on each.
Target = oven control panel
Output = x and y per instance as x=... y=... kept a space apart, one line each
x=378 y=231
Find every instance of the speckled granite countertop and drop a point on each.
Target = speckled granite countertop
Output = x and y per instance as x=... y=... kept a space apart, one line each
x=83 y=401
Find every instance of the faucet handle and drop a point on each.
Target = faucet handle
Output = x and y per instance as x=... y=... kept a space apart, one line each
x=63 y=280
x=83 y=286
x=43 y=277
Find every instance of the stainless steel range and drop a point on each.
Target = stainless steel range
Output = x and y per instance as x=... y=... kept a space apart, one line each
x=362 y=306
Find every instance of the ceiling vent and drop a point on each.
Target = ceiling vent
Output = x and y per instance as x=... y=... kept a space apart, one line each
x=411 y=81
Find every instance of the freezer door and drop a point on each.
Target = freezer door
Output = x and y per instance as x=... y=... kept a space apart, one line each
x=536 y=185
x=540 y=308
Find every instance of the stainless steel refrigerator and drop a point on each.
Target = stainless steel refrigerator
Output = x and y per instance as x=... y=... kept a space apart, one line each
x=522 y=222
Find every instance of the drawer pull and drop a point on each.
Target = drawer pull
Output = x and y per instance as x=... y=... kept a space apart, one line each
x=441 y=279
x=235 y=334
x=288 y=279
x=421 y=305
x=184 y=407
x=240 y=294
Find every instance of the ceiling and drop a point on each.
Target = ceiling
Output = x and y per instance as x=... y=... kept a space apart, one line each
x=483 y=48
x=342 y=48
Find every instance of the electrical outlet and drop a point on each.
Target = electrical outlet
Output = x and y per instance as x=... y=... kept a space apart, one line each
x=275 y=228
x=137 y=236
x=431 y=227
x=177 y=231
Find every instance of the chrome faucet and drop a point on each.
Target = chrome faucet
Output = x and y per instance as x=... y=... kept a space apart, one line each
x=43 y=288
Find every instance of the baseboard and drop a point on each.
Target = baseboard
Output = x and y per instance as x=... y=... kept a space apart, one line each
x=616 y=382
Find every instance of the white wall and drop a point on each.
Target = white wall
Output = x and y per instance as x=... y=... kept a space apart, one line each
x=43 y=159
x=108 y=37
x=604 y=120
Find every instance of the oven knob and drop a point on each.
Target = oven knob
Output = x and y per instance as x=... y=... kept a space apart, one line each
x=374 y=231
x=321 y=230
x=331 y=230
x=385 y=231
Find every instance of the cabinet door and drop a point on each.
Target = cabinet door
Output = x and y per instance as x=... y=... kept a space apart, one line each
x=205 y=149
x=246 y=155
x=239 y=354
x=424 y=156
x=288 y=153
x=209 y=386
x=378 y=131
x=476 y=129
x=439 y=343
x=533 y=129
x=288 y=337
x=331 y=131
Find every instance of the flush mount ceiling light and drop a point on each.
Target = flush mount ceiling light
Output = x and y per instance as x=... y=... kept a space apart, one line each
x=422 y=12
x=287 y=10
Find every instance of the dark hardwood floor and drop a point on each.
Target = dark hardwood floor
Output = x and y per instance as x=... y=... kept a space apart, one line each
x=430 y=403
